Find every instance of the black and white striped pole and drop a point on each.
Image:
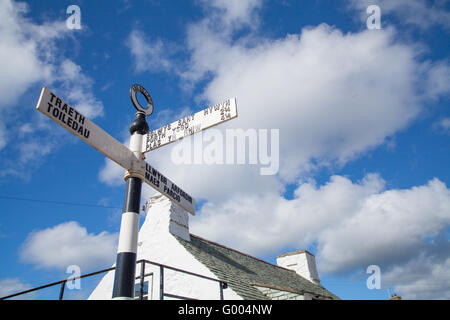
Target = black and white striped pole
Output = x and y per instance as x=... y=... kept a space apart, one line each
x=124 y=277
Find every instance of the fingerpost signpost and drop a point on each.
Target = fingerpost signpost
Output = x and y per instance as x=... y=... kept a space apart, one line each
x=132 y=159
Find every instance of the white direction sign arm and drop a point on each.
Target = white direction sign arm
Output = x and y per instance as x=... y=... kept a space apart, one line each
x=189 y=125
x=70 y=119
x=164 y=185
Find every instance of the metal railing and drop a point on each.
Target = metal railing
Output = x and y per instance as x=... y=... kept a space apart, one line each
x=141 y=277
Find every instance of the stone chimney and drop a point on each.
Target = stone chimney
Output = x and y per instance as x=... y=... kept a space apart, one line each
x=165 y=216
x=302 y=262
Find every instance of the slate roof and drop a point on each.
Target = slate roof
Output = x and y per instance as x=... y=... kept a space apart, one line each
x=243 y=272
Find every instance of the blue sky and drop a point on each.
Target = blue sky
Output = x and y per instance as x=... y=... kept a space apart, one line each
x=362 y=114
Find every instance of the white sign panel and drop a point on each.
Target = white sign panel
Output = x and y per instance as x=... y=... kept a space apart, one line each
x=162 y=184
x=196 y=122
x=70 y=119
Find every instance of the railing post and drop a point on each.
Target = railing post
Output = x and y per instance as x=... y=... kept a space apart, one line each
x=141 y=293
x=221 y=290
x=61 y=291
x=161 y=283
x=223 y=285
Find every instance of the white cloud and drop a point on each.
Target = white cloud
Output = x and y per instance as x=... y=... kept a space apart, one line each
x=224 y=17
x=334 y=96
x=233 y=14
x=424 y=277
x=352 y=225
x=32 y=149
x=22 y=64
x=372 y=235
x=14 y=285
x=438 y=80
x=77 y=88
x=30 y=56
x=69 y=244
x=268 y=222
x=111 y=173
x=148 y=55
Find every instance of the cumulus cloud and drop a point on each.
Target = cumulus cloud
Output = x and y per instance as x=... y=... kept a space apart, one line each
x=438 y=80
x=30 y=57
x=352 y=225
x=333 y=95
x=69 y=244
x=111 y=173
x=30 y=54
x=22 y=63
x=148 y=55
x=278 y=221
x=77 y=88
x=234 y=14
x=373 y=232
x=13 y=285
x=423 y=277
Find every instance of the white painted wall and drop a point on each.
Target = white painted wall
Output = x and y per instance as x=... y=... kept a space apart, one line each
x=302 y=262
x=157 y=243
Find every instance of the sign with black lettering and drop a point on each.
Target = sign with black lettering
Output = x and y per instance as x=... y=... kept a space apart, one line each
x=162 y=184
x=72 y=120
x=196 y=122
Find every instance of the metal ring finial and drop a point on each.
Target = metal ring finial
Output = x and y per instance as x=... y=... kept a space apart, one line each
x=135 y=88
